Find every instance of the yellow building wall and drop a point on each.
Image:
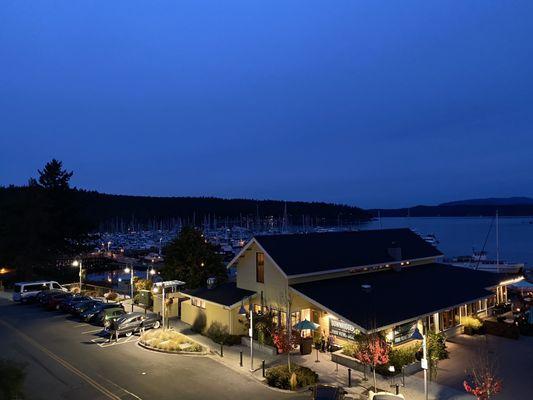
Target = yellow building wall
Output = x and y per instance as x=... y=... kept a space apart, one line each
x=213 y=313
x=274 y=289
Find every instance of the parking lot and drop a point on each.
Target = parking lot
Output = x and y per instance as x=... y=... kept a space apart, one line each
x=69 y=359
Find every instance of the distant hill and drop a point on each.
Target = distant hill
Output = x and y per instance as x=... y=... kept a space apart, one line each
x=119 y=212
x=510 y=206
x=491 y=201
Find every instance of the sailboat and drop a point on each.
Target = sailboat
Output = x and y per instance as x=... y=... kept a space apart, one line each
x=480 y=262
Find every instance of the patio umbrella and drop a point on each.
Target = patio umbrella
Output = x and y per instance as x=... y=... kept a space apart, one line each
x=305 y=324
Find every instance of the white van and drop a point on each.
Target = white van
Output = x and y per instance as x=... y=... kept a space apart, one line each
x=25 y=291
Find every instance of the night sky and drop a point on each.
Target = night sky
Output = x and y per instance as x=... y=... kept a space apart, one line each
x=373 y=103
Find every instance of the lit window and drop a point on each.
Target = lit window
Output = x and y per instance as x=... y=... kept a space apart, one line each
x=197 y=302
x=260 y=267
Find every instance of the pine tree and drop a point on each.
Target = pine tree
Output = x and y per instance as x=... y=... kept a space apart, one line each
x=192 y=259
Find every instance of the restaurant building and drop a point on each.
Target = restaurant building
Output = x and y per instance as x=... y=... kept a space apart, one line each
x=348 y=282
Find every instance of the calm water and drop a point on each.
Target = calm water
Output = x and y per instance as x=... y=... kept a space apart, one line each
x=457 y=236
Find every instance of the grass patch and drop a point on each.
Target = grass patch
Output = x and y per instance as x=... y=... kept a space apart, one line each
x=170 y=340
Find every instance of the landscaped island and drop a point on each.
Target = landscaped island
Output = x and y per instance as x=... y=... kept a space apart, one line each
x=170 y=341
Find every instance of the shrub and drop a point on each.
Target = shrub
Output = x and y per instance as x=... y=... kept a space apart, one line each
x=195 y=347
x=472 y=325
x=12 y=377
x=280 y=376
x=218 y=333
x=199 y=322
x=350 y=349
x=402 y=356
x=111 y=295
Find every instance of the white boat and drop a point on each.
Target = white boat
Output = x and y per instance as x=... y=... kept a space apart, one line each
x=479 y=261
x=431 y=239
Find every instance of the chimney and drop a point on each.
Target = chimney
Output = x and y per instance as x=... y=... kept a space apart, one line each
x=395 y=252
x=211 y=282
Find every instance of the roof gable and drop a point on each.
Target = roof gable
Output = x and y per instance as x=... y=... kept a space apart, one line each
x=322 y=252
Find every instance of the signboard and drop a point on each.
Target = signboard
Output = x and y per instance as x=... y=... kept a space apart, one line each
x=342 y=329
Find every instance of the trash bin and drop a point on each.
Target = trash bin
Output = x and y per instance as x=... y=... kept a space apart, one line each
x=306 y=345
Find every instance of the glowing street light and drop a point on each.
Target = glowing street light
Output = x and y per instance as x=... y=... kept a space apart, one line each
x=77 y=263
x=129 y=270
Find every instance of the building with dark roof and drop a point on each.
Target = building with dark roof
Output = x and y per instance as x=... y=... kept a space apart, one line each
x=349 y=282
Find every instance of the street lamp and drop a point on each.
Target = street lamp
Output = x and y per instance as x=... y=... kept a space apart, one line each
x=129 y=270
x=150 y=271
x=77 y=263
x=163 y=305
x=424 y=362
x=242 y=311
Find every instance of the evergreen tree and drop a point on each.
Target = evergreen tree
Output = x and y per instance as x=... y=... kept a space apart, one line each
x=190 y=258
x=42 y=224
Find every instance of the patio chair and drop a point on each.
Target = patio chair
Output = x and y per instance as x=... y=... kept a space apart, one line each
x=384 y=396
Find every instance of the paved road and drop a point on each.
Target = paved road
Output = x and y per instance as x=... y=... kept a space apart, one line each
x=67 y=360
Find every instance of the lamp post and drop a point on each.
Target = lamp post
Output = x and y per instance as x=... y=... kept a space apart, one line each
x=242 y=311
x=129 y=270
x=163 y=305
x=424 y=362
x=77 y=263
x=150 y=271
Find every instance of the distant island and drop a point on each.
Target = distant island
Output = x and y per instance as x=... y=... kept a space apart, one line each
x=506 y=206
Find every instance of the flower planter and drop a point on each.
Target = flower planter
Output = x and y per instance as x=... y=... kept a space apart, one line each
x=354 y=364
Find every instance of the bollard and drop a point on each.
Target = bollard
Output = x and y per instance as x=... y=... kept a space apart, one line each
x=241 y=359
x=397 y=389
x=221 y=350
x=263 y=366
x=349 y=377
x=364 y=373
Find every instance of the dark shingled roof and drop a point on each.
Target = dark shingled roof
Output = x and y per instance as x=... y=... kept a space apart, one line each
x=226 y=294
x=399 y=296
x=319 y=252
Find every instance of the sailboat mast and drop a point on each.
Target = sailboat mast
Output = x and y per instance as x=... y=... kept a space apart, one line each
x=497 y=243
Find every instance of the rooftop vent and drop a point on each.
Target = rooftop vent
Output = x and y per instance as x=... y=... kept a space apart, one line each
x=211 y=282
x=395 y=252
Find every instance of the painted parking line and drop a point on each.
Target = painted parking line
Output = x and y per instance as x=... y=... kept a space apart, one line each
x=104 y=342
x=81 y=325
x=92 y=331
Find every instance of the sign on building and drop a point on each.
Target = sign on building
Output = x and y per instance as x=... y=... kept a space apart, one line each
x=342 y=329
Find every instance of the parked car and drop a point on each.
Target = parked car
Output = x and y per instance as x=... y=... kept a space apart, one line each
x=68 y=305
x=90 y=314
x=45 y=295
x=106 y=317
x=83 y=306
x=39 y=297
x=327 y=392
x=25 y=292
x=133 y=322
x=55 y=300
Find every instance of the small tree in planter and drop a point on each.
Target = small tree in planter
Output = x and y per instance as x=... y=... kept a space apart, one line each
x=482 y=381
x=373 y=351
x=285 y=343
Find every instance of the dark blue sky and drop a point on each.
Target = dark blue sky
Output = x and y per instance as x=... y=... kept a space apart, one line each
x=374 y=103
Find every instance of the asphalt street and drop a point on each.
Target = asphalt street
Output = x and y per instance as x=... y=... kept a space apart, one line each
x=66 y=359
